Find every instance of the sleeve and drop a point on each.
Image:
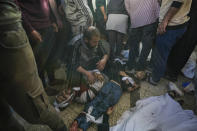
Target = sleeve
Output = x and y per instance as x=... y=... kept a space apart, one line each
x=100 y=3
x=127 y=5
x=26 y=24
x=105 y=47
x=177 y=3
x=76 y=56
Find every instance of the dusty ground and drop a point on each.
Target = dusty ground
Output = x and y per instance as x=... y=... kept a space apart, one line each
x=127 y=100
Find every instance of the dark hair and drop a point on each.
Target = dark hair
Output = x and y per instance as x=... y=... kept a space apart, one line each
x=90 y=32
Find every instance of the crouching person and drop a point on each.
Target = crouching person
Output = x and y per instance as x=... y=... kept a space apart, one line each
x=89 y=53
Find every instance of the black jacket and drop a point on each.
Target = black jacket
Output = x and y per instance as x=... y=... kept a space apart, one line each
x=116 y=7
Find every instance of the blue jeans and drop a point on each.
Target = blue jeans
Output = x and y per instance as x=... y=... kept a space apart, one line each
x=107 y=97
x=164 y=44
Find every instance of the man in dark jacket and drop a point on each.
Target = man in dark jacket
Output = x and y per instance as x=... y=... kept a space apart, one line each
x=89 y=53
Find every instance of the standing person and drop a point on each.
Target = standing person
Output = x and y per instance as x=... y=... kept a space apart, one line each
x=20 y=84
x=117 y=24
x=143 y=15
x=41 y=30
x=78 y=14
x=184 y=47
x=101 y=17
x=90 y=4
x=173 y=21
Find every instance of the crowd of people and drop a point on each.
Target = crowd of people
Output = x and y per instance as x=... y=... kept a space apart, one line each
x=38 y=36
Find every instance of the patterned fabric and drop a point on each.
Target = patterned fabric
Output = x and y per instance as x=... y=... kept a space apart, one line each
x=78 y=11
x=142 y=12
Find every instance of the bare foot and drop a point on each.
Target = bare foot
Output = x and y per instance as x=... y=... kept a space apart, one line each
x=74 y=126
x=140 y=75
x=110 y=110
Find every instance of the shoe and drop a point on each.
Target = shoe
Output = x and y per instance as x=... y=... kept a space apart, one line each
x=170 y=77
x=150 y=80
x=172 y=87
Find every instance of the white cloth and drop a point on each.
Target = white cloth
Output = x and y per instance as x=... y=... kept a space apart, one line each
x=189 y=68
x=117 y=22
x=158 y=113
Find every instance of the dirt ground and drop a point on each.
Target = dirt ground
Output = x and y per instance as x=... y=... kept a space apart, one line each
x=127 y=100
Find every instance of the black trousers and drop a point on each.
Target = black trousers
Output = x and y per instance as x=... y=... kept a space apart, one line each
x=116 y=42
x=182 y=50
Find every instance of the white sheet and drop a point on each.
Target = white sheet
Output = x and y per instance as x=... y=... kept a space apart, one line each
x=158 y=113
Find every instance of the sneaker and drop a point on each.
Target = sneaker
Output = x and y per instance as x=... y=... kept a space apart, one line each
x=172 y=87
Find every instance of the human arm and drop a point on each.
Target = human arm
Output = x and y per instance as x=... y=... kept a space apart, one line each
x=101 y=64
x=34 y=34
x=104 y=13
x=127 y=5
x=100 y=4
x=54 y=10
x=168 y=16
x=89 y=75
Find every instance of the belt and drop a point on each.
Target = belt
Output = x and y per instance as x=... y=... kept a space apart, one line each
x=10 y=27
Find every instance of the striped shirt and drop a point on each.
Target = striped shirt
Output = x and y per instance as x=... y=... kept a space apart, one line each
x=78 y=12
x=142 y=12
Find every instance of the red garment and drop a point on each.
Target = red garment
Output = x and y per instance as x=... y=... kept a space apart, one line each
x=35 y=14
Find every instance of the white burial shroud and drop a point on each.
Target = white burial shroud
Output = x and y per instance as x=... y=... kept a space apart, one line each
x=158 y=113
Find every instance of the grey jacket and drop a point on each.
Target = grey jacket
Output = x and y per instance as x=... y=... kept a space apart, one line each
x=86 y=57
x=116 y=7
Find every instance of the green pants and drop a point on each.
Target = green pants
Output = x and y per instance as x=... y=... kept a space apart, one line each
x=20 y=84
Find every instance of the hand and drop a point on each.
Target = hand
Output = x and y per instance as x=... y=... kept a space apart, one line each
x=59 y=24
x=105 y=18
x=55 y=28
x=162 y=27
x=91 y=78
x=36 y=36
x=101 y=64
